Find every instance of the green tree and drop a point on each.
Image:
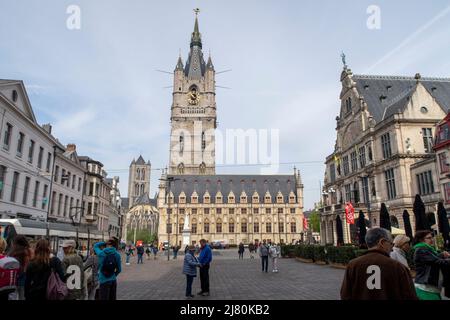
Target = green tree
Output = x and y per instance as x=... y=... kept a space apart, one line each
x=144 y=235
x=314 y=221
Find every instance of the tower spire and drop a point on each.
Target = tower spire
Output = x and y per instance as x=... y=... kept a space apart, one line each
x=196 y=39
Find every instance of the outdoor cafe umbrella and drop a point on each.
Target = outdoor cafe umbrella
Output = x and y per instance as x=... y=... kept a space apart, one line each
x=444 y=226
x=339 y=231
x=362 y=228
x=419 y=214
x=385 y=220
x=407 y=223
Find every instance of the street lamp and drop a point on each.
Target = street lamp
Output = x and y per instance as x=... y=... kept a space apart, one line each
x=169 y=180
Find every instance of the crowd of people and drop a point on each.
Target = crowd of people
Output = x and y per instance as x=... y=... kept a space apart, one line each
x=265 y=250
x=34 y=272
x=383 y=272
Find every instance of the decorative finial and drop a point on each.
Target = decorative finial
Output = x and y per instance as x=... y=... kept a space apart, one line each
x=196 y=10
x=343 y=60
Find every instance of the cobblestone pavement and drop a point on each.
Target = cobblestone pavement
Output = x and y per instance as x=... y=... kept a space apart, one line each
x=230 y=279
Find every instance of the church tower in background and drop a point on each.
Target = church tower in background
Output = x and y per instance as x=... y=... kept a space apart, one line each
x=193 y=113
x=138 y=180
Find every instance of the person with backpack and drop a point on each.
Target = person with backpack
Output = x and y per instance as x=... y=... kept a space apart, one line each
x=140 y=253
x=42 y=268
x=264 y=254
x=9 y=271
x=274 y=253
x=109 y=264
x=22 y=252
x=71 y=262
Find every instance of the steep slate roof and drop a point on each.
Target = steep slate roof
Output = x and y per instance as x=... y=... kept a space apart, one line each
x=397 y=96
x=140 y=161
x=235 y=183
x=145 y=200
x=195 y=65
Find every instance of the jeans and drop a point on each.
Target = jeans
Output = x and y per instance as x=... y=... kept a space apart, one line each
x=204 y=278
x=108 y=290
x=175 y=254
x=265 y=263
x=140 y=256
x=128 y=258
x=189 y=280
x=241 y=255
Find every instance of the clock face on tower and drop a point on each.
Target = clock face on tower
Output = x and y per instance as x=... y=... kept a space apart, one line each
x=193 y=96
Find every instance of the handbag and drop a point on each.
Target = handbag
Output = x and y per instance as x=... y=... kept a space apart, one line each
x=56 y=288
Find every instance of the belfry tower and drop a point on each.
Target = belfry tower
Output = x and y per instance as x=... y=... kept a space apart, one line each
x=193 y=112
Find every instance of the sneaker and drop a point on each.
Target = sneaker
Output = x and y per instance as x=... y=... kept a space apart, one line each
x=189 y=297
x=205 y=294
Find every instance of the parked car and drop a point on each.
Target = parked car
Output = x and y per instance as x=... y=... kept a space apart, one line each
x=220 y=244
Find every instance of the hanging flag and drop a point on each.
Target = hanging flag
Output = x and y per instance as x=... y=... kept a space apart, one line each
x=305 y=224
x=349 y=213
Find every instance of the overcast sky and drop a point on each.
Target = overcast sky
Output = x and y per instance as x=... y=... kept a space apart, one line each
x=99 y=88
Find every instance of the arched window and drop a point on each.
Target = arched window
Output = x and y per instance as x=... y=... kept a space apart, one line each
x=268 y=227
x=142 y=189
x=293 y=227
x=181 y=142
x=356 y=192
x=203 y=141
x=136 y=189
x=219 y=226
x=231 y=227
x=138 y=174
x=244 y=226
x=143 y=174
x=256 y=226
x=206 y=226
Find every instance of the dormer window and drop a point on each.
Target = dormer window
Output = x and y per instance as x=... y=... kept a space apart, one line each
x=15 y=96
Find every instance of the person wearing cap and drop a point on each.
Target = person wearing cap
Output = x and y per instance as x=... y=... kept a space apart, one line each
x=400 y=249
x=70 y=263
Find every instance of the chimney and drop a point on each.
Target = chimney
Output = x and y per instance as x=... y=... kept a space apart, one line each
x=71 y=147
x=48 y=128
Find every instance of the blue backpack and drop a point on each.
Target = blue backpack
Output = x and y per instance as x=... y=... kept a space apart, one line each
x=109 y=266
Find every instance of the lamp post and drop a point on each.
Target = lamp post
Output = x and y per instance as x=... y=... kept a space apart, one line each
x=169 y=226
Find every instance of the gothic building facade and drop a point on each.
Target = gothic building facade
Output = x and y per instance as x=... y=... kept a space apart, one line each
x=233 y=208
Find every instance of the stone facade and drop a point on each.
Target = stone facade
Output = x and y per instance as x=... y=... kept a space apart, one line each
x=138 y=179
x=385 y=127
x=26 y=156
x=67 y=188
x=442 y=162
x=193 y=113
x=234 y=208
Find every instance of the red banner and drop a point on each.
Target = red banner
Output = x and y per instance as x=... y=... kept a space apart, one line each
x=305 y=224
x=349 y=213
